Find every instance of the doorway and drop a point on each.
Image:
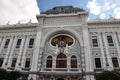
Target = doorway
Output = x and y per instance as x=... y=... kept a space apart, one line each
x=61 y=61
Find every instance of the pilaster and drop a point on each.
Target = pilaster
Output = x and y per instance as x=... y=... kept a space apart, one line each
x=2 y=43
x=87 y=51
x=18 y=63
x=117 y=45
x=102 y=50
x=11 y=53
x=6 y=60
x=24 y=51
x=36 y=52
x=34 y=66
x=108 y=58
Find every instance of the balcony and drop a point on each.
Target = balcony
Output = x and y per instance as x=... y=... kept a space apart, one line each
x=61 y=69
x=26 y=69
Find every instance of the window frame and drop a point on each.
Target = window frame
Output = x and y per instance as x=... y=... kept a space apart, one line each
x=18 y=43
x=110 y=40
x=99 y=63
x=14 y=60
x=115 y=62
x=94 y=41
x=28 y=63
x=31 y=42
x=6 y=43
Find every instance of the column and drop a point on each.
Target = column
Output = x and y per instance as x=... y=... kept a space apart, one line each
x=22 y=46
x=108 y=57
x=117 y=45
x=24 y=51
x=102 y=50
x=54 y=64
x=68 y=63
x=5 y=63
x=11 y=53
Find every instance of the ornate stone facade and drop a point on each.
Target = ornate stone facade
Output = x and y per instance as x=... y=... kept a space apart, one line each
x=62 y=46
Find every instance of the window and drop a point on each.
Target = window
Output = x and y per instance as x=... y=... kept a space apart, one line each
x=49 y=62
x=31 y=42
x=27 y=63
x=110 y=41
x=97 y=63
x=94 y=41
x=61 y=61
x=7 y=43
x=1 y=61
x=13 y=62
x=62 y=41
x=18 y=43
x=115 y=62
x=73 y=62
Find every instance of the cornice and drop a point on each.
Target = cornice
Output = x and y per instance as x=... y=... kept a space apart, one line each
x=61 y=15
x=103 y=21
x=18 y=26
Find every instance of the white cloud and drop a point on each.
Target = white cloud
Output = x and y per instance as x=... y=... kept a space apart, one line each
x=102 y=15
x=117 y=12
x=94 y=7
x=103 y=8
x=15 y=10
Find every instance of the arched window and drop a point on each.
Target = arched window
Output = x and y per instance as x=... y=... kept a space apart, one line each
x=61 y=61
x=73 y=62
x=49 y=62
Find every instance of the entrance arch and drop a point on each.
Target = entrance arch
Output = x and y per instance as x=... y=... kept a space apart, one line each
x=60 y=79
x=61 y=61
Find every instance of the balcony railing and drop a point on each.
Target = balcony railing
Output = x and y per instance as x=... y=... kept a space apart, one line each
x=60 y=69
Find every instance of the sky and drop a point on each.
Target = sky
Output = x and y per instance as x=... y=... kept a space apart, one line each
x=13 y=11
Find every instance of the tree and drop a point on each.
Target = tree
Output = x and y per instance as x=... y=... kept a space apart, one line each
x=108 y=75
x=3 y=74
x=14 y=75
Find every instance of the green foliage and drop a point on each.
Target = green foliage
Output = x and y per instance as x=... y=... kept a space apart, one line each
x=108 y=75
x=3 y=74
x=12 y=75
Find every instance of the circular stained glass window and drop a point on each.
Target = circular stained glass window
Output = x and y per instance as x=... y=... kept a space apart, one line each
x=62 y=41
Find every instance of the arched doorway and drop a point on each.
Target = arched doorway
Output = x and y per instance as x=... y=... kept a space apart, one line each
x=60 y=79
x=61 y=61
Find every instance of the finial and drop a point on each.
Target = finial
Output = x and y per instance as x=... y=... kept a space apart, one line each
x=111 y=16
x=8 y=23
x=30 y=21
x=97 y=17
x=18 y=22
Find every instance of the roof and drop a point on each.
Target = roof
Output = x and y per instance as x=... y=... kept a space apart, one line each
x=62 y=9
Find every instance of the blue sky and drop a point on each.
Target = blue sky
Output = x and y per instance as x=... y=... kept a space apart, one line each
x=101 y=8
x=14 y=11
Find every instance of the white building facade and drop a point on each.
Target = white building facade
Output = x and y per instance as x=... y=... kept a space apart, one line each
x=63 y=45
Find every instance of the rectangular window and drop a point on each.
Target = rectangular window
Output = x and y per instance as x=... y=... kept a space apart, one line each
x=31 y=42
x=94 y=41
x=7 y=43
x=13 y=62
x=18 y=43
x=27 y=63
x=1 y=61
x=110 y=41
x=97 y=63
x=115 y=62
